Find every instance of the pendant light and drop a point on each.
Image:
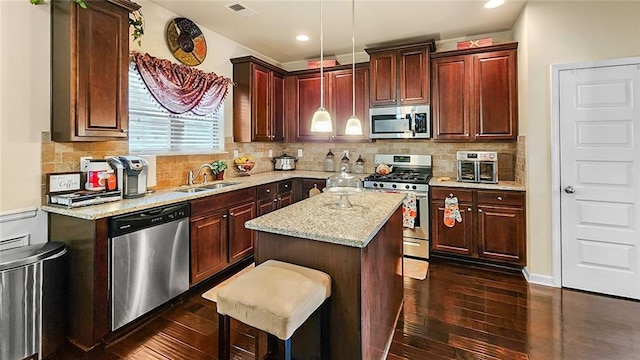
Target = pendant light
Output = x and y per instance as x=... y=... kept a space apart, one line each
x=354 y=125
x=321 y=121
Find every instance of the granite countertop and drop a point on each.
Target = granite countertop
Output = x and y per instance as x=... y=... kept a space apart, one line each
x=171 y=196
x=501 y=185
x=315 y=219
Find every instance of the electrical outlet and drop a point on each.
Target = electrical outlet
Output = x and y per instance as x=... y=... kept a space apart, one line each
x=300 y=153
x=235 y=154
x=346 y=152
x=84 y=163
x=270 y=153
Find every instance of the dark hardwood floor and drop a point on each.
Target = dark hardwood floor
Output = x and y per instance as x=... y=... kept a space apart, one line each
x=459 y=312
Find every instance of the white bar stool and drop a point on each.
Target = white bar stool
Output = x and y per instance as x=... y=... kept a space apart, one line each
x=275 y=297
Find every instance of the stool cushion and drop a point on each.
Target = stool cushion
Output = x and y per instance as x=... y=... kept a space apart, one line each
x=275 y=297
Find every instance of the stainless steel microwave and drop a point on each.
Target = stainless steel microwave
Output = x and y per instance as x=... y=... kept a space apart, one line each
x=400 y=122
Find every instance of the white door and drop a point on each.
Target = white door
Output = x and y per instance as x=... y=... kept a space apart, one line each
x=600 y=188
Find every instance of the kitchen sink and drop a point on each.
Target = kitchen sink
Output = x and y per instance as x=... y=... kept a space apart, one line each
x=217 y=185
x=206 y=187
x=191 y=190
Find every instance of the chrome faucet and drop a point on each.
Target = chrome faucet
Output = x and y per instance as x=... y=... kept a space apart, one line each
x=191 y=177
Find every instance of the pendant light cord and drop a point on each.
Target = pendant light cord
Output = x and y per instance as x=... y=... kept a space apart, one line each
x=353 y=55
x=321 y=60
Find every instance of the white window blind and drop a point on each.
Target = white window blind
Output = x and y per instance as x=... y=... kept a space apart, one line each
x=154 y=130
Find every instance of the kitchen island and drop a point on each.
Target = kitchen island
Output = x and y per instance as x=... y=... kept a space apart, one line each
x=360 y=248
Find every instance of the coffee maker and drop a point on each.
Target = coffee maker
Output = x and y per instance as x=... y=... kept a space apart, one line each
x=132 y=172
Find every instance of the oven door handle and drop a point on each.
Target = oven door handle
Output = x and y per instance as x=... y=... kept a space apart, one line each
x=411 y=243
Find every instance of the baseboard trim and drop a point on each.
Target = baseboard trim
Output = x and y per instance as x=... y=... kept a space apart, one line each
x=538 y=279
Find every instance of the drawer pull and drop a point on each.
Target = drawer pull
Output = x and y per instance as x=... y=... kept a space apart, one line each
x=479 y=210
x=286 y=185
x=268 y=190
x=469 y=209
x=224 y=216
x=450 y=195
x=275 y=200
x=500 y=198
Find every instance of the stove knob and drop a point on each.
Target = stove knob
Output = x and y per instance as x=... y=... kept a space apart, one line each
x=381 y=185
x=414 y=187
x=375 y=184
x=393 y=186
x=406 y=187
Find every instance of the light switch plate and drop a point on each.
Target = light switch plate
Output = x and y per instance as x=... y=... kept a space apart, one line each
x=300 y=153
x=235 y=154
x=270 y=153
x=84 y=163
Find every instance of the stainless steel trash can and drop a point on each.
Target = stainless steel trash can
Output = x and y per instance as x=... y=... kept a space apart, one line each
x=32 y=319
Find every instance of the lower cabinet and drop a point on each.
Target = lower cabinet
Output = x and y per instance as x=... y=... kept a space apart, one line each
x=492 y=227
x=218 y=235
x=305 y=185
x=274 y=196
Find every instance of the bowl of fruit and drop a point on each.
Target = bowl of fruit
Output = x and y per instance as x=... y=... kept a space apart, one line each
x=244 y=164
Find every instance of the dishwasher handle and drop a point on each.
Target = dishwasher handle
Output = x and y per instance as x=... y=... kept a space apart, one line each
x=128 y=223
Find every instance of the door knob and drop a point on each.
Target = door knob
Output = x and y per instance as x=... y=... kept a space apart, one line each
x=569 y=189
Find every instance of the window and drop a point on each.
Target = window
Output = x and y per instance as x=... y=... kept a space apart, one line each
x=154 y=130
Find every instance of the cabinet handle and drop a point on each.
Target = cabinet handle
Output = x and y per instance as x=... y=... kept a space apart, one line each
x=268 y=190
x=479 y=210
x=275 y=200
x=286 y=186
x=124 y=131
x=224 y=216
x=500 y=198
x=279 y=199
x=450 y=195
x=232 y=214
x=469 y=209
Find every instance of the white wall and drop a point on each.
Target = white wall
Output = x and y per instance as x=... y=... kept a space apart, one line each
x=559 y=32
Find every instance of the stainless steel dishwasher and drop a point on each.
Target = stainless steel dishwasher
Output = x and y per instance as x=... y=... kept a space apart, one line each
x=149 y=260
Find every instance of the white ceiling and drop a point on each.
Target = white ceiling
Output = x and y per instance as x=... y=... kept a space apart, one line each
x=272 y=30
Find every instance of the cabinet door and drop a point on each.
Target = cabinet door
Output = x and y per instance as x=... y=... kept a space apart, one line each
x=452 y=240
x=414 y=76
x=260 y=100
x=277 y=107
x=495 y=95
x=308 y=91
x=451 y=98
x=383 y=89
x=308 y=184
x=501 y=234
x=240 y=238
x=266 y=205
x=342 y=102
x=285 y=199
x=208 y=245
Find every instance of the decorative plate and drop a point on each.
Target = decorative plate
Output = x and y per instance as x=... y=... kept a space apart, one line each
x=186 y=41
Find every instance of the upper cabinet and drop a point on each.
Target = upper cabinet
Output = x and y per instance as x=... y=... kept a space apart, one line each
x=304 y=90
x=90 y=58
x=475 y=94
x=258 y=101
x=400 y=74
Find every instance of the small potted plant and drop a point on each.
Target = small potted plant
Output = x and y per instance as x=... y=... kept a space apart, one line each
x=218 y=168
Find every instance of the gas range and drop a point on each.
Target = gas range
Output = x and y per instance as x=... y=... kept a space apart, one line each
x=408 y=173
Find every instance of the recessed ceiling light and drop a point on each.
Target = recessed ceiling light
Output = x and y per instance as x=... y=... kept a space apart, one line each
x=493 y=4
x=302 y=38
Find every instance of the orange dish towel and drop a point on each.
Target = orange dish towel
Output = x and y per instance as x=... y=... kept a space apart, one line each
x=451 y=212
x=409 y=211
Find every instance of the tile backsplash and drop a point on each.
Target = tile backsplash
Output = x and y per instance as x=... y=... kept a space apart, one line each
x=172 y=170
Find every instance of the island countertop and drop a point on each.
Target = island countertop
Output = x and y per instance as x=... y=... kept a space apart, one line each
x=315 y=219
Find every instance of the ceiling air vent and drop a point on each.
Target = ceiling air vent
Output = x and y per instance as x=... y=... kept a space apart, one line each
x=241 y=9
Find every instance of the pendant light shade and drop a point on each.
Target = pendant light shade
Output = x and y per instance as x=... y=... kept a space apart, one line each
x=321 y=121
x=354 y=125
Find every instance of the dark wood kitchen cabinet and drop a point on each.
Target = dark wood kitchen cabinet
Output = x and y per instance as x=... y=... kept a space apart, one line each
x=89 y=70
x=492 y=228
x=474 y=94
x=338 y=90
x=274 y=196
x=218 y=235
x=304 y=185
x=258 y=101
x=400 y=74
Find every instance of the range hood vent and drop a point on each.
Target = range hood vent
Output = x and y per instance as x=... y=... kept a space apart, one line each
x=241 y=10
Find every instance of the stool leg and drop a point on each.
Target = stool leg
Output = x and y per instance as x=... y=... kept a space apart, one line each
x=284 y=349
x=224 y=337
x=325 y=345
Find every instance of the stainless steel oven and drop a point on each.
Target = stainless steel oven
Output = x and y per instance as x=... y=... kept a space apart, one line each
x=410 y=174
x=400 y=122
x=478 y=166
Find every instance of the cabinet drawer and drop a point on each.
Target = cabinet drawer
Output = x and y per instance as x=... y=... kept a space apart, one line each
x=501 y=197
x=463 y=195
x=284 y=186
x=266 y=190
x=221 y=201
